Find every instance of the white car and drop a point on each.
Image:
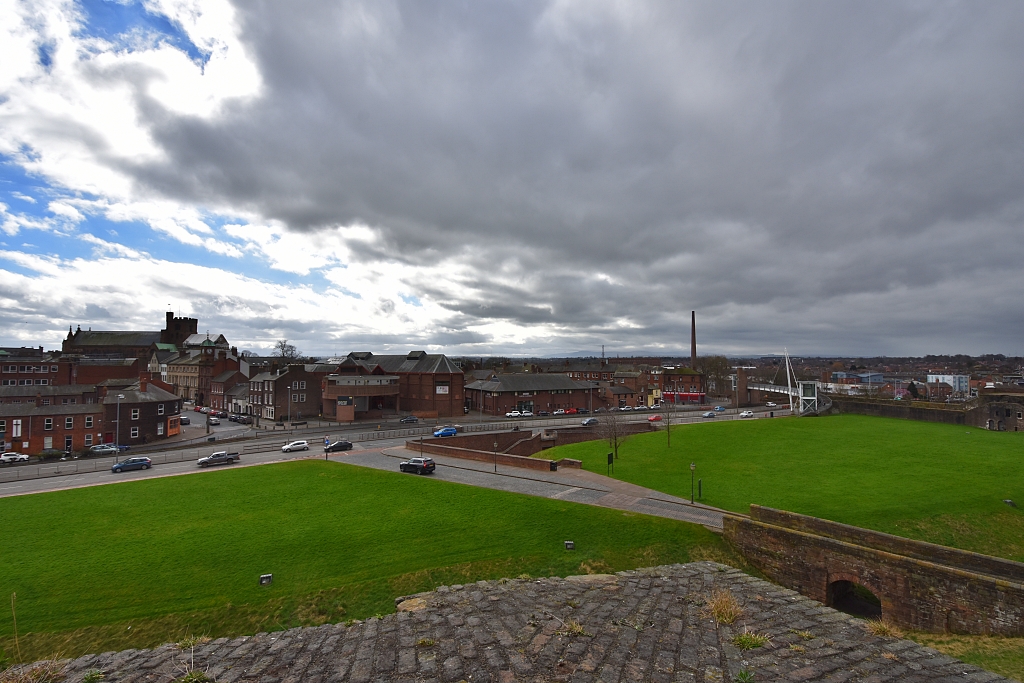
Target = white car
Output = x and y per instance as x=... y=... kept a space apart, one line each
x=295 y=446
x=560 y=411
x=769 y=404
x=527 y=413
x=14 y=457
x=747 y=413
x=513 y=413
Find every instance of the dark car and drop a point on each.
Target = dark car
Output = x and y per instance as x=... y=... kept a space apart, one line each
x=136 y=463
x=245 y=419
x=543 y=413
x=218 y=458
x=409 y=419
x=185 y=420
x=340 y=445
x=590 y=422
x=708 y=414
x=418 y=465
x=583 y=411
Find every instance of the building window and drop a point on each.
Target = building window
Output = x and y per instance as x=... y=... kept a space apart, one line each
x=160 y=409
x=3 y=425
x=135 y=413
x=46 y=401
x=69 y=423
x=135 y=432
x=302 y=398
x=53 y=368
x=47 y=442
x=295 y=398
x=302 y=385
x=88 y=421
x=16 y=428
x=48 y=423
x=88 y=439
x=159 y=428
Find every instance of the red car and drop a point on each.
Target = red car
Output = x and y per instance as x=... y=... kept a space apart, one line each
x=654 y=418
x=571 y=411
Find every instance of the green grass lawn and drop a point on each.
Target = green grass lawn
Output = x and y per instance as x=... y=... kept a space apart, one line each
x=138 y=564
x=939 y=483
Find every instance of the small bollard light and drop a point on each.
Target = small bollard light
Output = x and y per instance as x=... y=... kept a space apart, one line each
x=266 y=579
x=569 y=545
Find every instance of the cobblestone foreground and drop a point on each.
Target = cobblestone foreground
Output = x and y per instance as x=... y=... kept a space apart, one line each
x=642 y=625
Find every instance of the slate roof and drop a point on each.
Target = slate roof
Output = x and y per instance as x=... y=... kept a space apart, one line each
x=414 y=361
x=239 y=391
x=153 y=394
x=529 y=382
x=226 y=375
x=24 y=409
x=48 y=390
x=115 y=338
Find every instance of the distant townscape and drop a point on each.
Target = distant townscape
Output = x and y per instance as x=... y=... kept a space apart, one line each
x=130 y=387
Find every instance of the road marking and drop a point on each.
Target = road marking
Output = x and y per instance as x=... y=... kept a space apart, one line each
x=5 y=488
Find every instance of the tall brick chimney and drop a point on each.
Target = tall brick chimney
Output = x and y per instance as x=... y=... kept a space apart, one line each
x=693 y=340
x=143 y=382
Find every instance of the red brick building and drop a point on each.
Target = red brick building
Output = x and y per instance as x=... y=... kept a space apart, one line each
x=529 y=391
x=429 y=384
x=146 y=413
x=221 y=385
x=34 y=427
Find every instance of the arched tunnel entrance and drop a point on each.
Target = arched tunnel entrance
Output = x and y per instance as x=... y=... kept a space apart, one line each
x=855 y=599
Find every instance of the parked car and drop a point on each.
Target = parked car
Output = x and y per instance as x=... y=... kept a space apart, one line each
x=218 y=458
x=232 y=418
x=340 y=445
x=598 y=410
x=213 y=420
x=543 y=413
x=446 y=431
x=121 y=448
x=185 y=420
x=589 y=422
x=136 y=463
x=747 y=413
x=526 y=413
x=204 y=409
x=583 y=411
x=560 y=411
x=409 y=420
x=719 y=409
x=513 y=413
x=640 y=407
x=571 y=411
x=245 y=419
x=295 y=446
x=708 y=414
x=418 y=465
x=626 y=408
x=654 y=418
x=103 y=449
x=769 y=404
x=197 y=409
x=11 y=456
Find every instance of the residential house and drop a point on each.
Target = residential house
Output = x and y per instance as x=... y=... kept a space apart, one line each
x=140 y=413
x=32 y=427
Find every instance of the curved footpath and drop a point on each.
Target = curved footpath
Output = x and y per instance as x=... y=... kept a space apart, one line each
x=642 y=625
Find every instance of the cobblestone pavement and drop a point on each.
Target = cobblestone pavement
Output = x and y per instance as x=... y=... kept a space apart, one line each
x=642 y=625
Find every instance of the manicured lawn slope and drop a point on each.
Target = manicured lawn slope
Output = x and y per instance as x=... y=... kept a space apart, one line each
x=934 y=482
x=184 y=553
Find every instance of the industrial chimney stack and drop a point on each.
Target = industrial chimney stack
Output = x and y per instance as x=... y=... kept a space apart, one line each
x=693 y=340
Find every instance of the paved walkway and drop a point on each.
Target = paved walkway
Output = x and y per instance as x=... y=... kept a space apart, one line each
x=578 y=486
x=643 y=625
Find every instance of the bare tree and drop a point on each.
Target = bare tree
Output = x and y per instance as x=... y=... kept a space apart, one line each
x=286 y=350
x=666 y=414
x=612 y=430
x=716 y=371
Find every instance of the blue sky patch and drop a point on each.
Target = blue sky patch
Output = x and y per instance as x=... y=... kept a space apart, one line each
x=118 y=21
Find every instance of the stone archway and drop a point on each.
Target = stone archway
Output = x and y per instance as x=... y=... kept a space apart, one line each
x=848 y=593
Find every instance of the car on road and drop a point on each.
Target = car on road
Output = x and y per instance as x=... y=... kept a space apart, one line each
x=598 y=410
x=654 y=418
x=571 y=411
x=135 y=463
x=626 y=408
x=526 y=413
x=185 y=420
x=11 y=456
x=446 y=431
x=583 y=411
x=769 y=404
x=245 y=420
x=213 y=420
x=513 y=413
x=589 y=422
x=409 y=420
x=218 y=458
x=103 y=449
x=197 y=409
x=640 y=407
x=204 y=409
x=295 y=446
x=719 y=409
x=543 y=413
x=747 y=413
x=340 y=445
x=560 y=411
x=418 y=465
x=708 y=414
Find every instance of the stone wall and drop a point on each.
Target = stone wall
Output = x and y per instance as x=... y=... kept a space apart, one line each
x=920 y=585
x=447 y=447
x=905 y=411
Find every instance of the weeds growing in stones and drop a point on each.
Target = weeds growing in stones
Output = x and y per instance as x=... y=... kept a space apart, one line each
x=744 y=676
x=48 y=671
x=425 y=642
x=94 y=676
x=884 y=628
x=748 y=640
x=804 y=635
x=572 y=628
x=891 y=656
x=722 y=606
x=189 y=642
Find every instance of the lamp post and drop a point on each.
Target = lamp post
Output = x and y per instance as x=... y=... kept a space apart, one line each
x=117 y=434
x=693 y=466
x=495 y=457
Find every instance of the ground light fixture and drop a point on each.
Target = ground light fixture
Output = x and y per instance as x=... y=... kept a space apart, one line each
x=266 y=579
x=570 y=545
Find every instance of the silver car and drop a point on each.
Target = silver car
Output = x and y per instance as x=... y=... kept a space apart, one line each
x=295 y=446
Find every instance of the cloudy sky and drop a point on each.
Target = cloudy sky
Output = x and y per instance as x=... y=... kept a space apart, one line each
x=517 y=176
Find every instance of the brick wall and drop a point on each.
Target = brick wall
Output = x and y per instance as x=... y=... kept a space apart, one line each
x=446 y=447
x=920 y=585
x=908 y=412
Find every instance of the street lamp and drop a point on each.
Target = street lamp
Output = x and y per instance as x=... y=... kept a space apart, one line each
x=117 y=434
x=693 y=466
x=495 y=457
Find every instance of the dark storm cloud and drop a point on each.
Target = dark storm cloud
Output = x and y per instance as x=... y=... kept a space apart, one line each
x=813 y=174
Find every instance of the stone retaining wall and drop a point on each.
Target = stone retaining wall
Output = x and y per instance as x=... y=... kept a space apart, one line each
x=920 y=585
